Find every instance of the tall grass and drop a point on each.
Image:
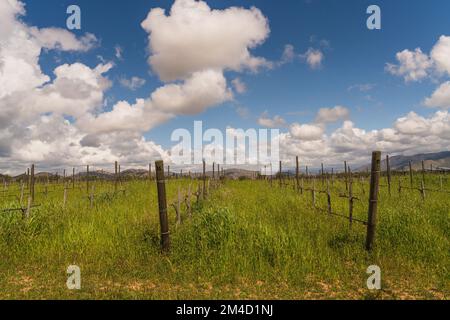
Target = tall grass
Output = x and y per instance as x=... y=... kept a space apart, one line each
x=247 y=240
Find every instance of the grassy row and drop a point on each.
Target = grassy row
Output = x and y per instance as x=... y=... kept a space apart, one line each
x=246 y=241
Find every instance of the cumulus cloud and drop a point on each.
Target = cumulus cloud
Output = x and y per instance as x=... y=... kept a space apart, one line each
x=61 y=39
x=410 y=134
x=207 y=38
x=440 y=98
x=48 y=116
x=199 y=92
x=441 y=54
x=239 y=85
x=329 y=115
x=276 y=122
x=133 y=84
x=35 y=110
x=413 y=65
x=417 y=65
x=306 y=132
x=313 y=58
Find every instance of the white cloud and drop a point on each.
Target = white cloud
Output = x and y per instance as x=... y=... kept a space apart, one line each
x=441 y=55
x=329 y=115
x=239 y=85
x=440 y=98
x=306 y=132
x=276 y=122
x=313 y=58
x=413 y=65
x=410 y=134
x=208 y=39
x=61 y=39
x=199 y=92
x=133 y=84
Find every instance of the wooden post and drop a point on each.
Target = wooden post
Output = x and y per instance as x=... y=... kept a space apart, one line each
x=279 y=176
x=119 y=176
x=28 y=211
x=373 y=199
x=32 y=181
x=162 y=203
x=65 y=196
x=91 y=196
x=214 y=171
x=150 y=171
x=189 y=203
x=388 y=169
x=350 y=203
x=29 y=178
x=204 y=180
x=297 y=173
x=115 y=176
x=346 y=177
x=87 y=179
x=422 y=189
x=410 y=174
x=73 y=178
x=423 y=171
x=179 y=206
x=329 y=197
x=313 y=192
x=21 y=193
x=322 y=174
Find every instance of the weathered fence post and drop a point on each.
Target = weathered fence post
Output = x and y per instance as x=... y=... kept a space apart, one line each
x=150 y=171
x=32 y=181
x=313 y=191
x=322 y=174
x=279 y=176
x=178 y=206
x=388 y=169
x=21 y=193
x=65 y=196
x=73 y=178
x=162 y=203
x=410 y=174
x=373 y=199
x=346 y=178
x=423 y=171
x=329 y=198
x=28 y=179
x=350 y=203
x=204 y=181
x=422 y=189
x=115 y=176
x=297 y=173
x=87 y=179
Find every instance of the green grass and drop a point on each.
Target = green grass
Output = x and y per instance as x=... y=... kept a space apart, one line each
x=247 y=241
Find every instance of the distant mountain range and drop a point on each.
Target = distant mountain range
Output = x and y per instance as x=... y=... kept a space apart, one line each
x=435 y=161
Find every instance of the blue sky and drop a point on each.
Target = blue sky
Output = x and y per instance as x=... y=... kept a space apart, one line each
x=334 y=88
x=355 y=56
